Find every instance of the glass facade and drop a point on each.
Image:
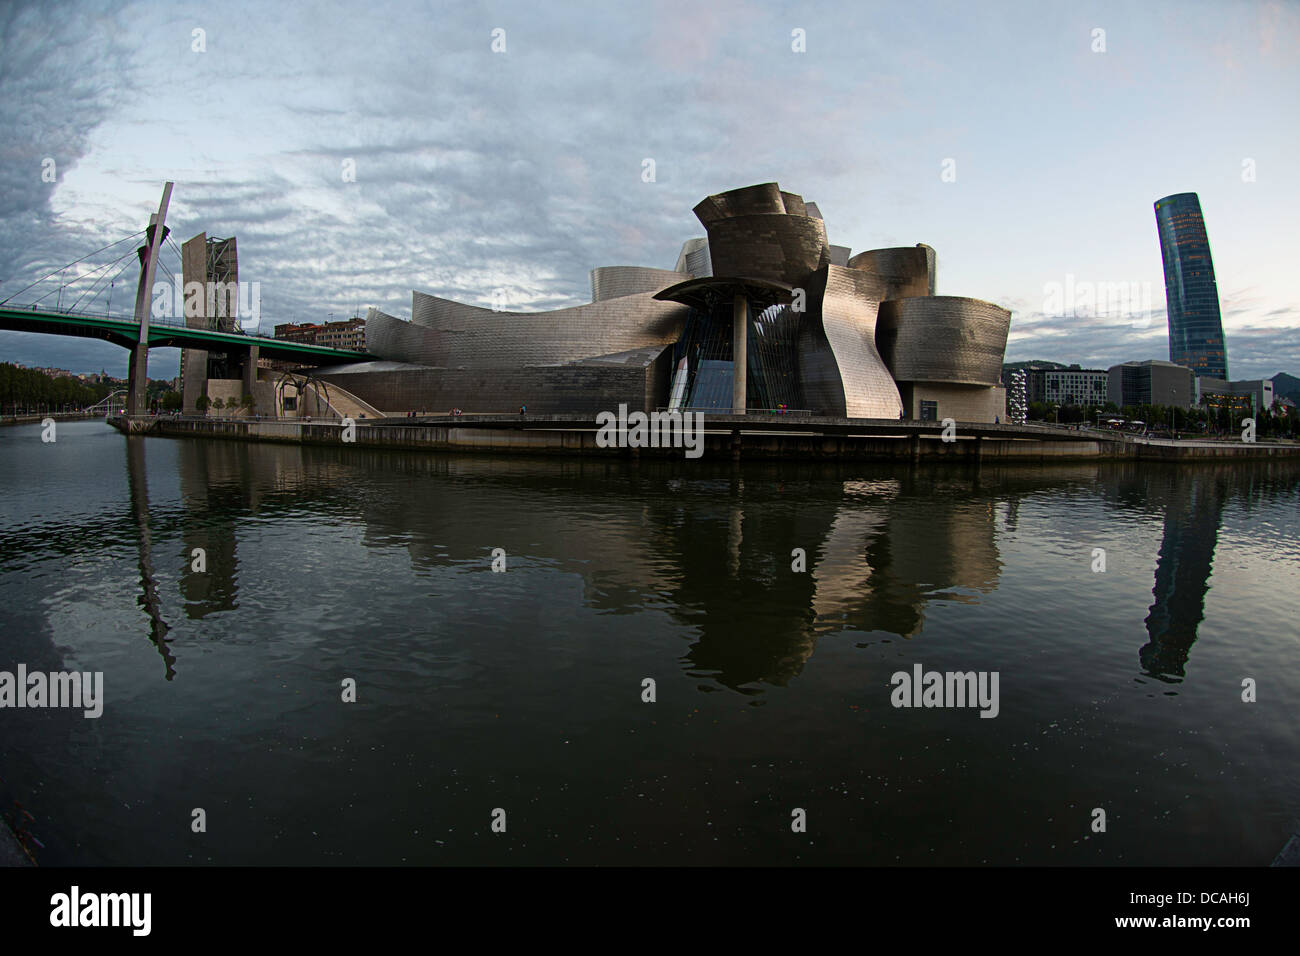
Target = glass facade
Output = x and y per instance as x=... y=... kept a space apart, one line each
x=712 y=385
x=772 y=378
x=1195 y=325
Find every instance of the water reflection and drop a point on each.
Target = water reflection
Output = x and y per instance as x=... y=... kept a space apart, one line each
x=148 y=599
x=710 y=545
x=1193 y=515
x=218 y=487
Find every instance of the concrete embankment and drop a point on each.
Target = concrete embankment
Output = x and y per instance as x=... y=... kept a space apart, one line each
x=57 y=416
x=539 y=436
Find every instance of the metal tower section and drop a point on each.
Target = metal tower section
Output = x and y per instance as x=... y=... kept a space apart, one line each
x=138 y=373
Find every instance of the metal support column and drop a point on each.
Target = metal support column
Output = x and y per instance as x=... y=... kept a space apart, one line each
x=138 y=368
x=739 y=352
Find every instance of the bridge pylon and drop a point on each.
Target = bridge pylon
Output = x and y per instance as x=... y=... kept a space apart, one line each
x=138 y=373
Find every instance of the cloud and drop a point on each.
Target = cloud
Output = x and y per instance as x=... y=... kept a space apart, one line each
x=522 y=171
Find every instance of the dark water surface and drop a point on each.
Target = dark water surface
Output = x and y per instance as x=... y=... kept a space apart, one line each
x=522 y=690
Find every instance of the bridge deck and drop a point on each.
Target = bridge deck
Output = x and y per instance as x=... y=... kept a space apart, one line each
x=166 y=333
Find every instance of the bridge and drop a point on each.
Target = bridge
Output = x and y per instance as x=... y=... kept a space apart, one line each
x=166 y=333
x=142 y=331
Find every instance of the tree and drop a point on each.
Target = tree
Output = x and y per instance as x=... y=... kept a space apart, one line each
x=218 y=403
x=247 y=403
x=202 y=403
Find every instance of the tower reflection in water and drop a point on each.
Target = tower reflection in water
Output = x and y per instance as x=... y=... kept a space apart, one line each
x=1193 y=506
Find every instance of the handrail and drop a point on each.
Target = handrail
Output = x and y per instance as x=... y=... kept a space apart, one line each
x=804 y=412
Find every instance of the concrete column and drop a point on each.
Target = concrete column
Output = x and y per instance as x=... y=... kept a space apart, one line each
x=195 y=376
x=739 y=353
x=250 y=368
x=137 y=381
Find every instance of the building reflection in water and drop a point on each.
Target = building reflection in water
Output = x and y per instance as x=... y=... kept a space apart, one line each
x=216 y=488
x=878 y=550
x=712 y=547
x=709 y=545
x=1193 y=505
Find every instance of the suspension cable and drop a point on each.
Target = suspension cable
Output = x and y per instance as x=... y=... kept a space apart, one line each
x=100 y=280
x=73 y=263
x=108 y=307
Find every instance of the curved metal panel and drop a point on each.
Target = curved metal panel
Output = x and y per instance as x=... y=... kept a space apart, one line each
x=758 y=200
x=841 y=371
x=781 y=248
x=694 y=257
x=793 y=205
x=763 y=232
x=453 y=335
x=612 y=282
x=584 y=387
x=943 y=339
x=392 y=338
x=909 y=270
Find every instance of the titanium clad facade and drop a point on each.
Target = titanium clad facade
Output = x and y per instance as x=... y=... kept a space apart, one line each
x=761 y=232
x=824 y=331
x=452 y=334
x=761 y=200
x=908 y=270
x=612 y=282
x=841 y=371
x=586 y=387
x=1191 y=293
x=585 y=359
x=694 y=258
x=777 y=247
x=943 y=339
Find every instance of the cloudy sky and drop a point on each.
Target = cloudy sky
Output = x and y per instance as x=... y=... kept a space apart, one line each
x=522 y=169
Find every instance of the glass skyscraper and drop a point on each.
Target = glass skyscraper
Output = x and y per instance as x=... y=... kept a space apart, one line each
x=1195 y=326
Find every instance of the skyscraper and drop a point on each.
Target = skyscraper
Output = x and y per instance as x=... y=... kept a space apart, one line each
x=1195 y=326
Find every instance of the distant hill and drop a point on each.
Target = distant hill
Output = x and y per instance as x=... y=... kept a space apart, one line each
x=1286 y=386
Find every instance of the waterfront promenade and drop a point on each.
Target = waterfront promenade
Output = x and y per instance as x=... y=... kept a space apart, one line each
x=725 y=436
